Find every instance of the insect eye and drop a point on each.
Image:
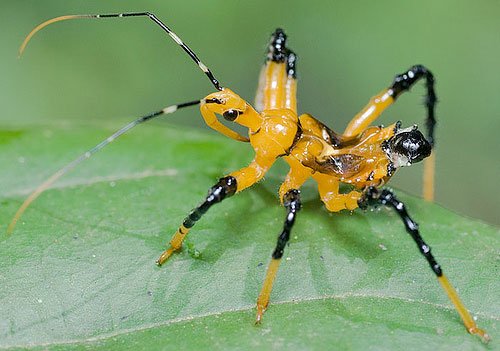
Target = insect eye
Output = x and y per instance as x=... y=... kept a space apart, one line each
x=230 y=115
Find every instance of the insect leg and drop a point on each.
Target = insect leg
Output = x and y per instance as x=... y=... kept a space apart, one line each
x=402 y=83
x=386 y=197
x=291 y=201
x=225 y=187
x=277 y=87
x=328 y=188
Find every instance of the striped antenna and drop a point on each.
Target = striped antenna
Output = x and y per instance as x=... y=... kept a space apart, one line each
x=151 y=16
x=45 y=185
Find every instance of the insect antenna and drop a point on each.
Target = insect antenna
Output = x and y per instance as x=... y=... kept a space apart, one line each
x=68 y=167
x=151 y=16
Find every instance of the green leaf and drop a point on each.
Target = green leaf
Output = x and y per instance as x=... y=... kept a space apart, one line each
x=79 y=273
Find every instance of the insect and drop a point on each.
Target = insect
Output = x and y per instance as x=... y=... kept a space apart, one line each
x=363 y=157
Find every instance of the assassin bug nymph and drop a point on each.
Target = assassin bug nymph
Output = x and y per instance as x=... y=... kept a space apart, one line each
x=364 y=157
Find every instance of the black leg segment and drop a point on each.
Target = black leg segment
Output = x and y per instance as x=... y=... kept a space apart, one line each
x=279 y=52
x=403 y=82
x=373 y=196
x=225 y=187
x=291 y=201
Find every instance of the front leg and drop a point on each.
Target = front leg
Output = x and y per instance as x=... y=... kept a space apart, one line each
x=372 y=196
x=225 y=187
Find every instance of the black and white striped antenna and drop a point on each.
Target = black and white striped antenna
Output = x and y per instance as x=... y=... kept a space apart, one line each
x=86 y=155
x=151 y=16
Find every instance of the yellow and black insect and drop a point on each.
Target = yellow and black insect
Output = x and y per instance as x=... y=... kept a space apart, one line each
x=364 y=157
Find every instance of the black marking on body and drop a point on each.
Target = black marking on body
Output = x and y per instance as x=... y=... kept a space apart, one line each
x=370 y=176
x=296 y=138
x=214 y=101
x=345 y=165
x=330 y=136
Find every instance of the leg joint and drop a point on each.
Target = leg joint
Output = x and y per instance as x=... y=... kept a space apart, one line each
x=291 y=200
x=403 y=82
x=225 y=187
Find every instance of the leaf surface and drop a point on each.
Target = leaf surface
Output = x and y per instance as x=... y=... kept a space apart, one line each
x=79 y=272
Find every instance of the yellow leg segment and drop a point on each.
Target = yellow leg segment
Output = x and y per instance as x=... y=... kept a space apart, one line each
x=291 y=202
x=225 y=187
x=267 y=287
x=297 y=176
x=428 y=181
x=328 y=188
x=369 y=113
x=250 y=175
x=467 y=319
x=175 y=244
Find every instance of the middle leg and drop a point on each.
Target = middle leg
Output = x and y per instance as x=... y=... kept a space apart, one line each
x=290 y=198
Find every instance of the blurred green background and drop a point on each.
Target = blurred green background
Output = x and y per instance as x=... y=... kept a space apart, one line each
x=109 y=71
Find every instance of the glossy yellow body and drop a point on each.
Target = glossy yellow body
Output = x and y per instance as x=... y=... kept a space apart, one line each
x=305 y=143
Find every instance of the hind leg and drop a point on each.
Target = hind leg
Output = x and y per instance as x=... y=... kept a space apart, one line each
x=290 y=198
